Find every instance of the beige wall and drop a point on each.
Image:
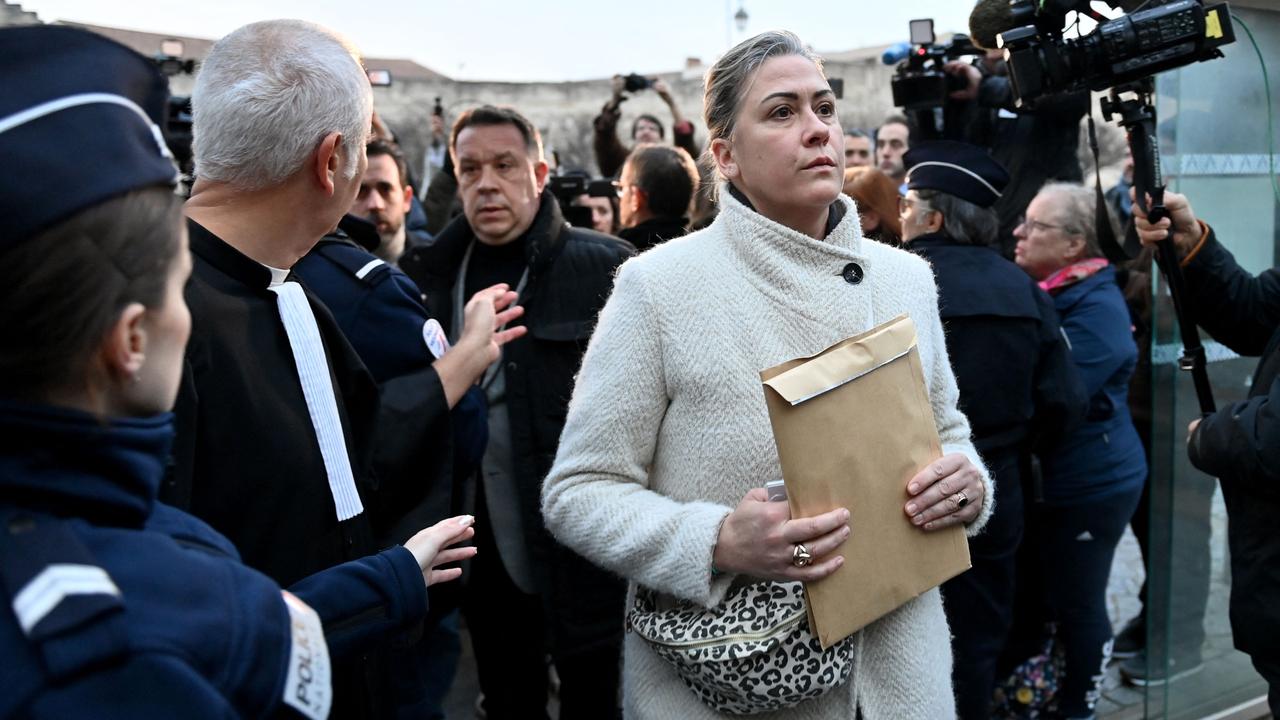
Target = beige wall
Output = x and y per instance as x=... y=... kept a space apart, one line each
x=564 y=111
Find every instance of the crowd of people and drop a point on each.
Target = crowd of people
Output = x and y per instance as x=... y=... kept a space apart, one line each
x=268 y=447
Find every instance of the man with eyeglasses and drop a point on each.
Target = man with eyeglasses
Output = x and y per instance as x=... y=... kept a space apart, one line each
x=1017 y=383
x=655 y=194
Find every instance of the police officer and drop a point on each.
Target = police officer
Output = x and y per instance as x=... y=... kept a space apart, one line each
x=1017 y=383
x=115 y=605
x=434 y=428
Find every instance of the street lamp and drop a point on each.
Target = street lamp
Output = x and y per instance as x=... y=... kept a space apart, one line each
x=739 y=19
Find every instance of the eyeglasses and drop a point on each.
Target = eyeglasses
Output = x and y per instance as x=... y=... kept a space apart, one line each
x=1034 y=225
x=906 y=202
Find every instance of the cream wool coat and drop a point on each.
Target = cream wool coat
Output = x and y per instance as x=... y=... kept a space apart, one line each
x=668 y=429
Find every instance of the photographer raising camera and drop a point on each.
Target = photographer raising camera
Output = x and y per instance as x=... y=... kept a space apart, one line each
x=610 y=152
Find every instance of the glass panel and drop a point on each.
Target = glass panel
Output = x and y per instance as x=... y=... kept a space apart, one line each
x=1213 y=130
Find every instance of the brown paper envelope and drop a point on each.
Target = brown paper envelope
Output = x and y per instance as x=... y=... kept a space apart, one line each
x=853 y=424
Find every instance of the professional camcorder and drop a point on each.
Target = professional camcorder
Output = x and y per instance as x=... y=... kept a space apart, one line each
x=1121 y=56
x=1162 y=35
x=177 y=126
x=569 y=186
x=919 y=82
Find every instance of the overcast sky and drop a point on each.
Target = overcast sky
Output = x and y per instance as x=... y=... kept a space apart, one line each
x=523 y=40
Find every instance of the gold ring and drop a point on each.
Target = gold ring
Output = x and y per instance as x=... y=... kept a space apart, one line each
x=800 y=556
x=961 y=499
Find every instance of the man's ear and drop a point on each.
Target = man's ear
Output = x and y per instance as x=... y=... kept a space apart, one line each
x=639 y=200
x=124 y=348
x=408 y=198
x=722 y=152
x=540 y=170
x=326 y=162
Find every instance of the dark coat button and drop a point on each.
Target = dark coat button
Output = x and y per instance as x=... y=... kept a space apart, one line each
x=853 y=273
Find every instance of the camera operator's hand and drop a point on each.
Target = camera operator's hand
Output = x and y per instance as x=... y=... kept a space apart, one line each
x=972 y=77
x=1186 y=229
x=619 y=84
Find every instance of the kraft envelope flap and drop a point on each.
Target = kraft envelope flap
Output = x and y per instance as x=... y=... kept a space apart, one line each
x=845 y=361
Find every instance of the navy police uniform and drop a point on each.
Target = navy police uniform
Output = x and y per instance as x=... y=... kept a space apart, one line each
x=381 y=313
x=118 y=606
x=1018 y=388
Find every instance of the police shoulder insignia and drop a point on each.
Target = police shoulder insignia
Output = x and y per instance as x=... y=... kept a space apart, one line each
x=307 y=686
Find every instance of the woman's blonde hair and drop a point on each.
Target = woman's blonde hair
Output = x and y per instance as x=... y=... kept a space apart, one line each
x=728 y=79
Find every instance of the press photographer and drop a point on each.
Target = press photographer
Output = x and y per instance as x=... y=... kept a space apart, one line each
x=959 y=90
x=1037 y=145
x=1238 y=444
x=920 y=86
x=610 y=152
x=586 y=202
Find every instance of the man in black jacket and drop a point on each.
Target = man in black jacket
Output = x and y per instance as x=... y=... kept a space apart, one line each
x=656 y=192
x=526 y=589
x=1239 y=444
x=1018 y=385
x=1035 y=144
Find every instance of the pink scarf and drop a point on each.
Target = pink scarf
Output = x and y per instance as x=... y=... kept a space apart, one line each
x=1072 y=274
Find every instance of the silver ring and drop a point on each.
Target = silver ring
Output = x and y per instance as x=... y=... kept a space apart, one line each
x=800 y=556
x=961 y=499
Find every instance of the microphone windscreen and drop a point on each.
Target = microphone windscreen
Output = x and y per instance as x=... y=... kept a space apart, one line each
x=988 y=19
x=896 y=53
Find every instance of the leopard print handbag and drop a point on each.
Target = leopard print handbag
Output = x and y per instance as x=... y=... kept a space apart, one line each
x=753 y=653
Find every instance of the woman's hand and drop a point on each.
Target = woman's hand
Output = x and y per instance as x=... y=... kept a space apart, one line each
x=430 y=547
x=760 y=539
x=947 y=492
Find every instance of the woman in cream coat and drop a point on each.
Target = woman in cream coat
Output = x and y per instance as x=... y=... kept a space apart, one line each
x=668 y=445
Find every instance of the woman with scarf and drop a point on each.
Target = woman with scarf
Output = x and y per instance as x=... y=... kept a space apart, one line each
x=1093 y=479
x=123 y=607
x=661 y=468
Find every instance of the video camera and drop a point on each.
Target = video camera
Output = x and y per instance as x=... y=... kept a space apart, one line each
x=1164 y=35
x=1121 y=56
x=177 y=125
x=569 y=186
x=920 y=83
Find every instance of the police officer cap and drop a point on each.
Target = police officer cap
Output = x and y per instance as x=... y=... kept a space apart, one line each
x=78 y=126
x=960 y=169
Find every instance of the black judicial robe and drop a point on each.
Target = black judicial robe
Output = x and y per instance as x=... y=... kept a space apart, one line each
x=246 y=459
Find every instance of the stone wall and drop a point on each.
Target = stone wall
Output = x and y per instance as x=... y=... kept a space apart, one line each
x=564 y=111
